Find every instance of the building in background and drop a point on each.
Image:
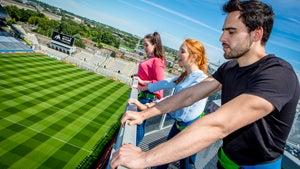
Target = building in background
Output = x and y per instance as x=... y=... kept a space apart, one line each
x=62 y=43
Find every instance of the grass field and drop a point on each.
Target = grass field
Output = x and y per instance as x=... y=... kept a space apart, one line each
x=52 y=114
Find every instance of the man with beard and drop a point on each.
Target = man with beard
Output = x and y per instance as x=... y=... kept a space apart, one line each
x=260 y=93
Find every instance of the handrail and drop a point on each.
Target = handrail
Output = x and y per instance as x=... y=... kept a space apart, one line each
x=127 y=134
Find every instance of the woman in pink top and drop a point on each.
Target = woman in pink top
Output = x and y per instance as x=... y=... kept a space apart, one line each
x=149 y=71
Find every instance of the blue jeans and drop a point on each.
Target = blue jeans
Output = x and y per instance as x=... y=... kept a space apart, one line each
x=186 y=163
x=140 y=132
x=141 y=129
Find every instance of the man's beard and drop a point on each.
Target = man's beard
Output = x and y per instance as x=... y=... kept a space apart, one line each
x=237 y=52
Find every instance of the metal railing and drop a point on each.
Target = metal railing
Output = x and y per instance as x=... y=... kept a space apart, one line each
x=127 y=134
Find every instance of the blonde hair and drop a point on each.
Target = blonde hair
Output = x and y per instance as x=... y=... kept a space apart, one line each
x=195 y=48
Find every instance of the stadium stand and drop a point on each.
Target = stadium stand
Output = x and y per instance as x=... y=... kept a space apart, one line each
x=7 y=42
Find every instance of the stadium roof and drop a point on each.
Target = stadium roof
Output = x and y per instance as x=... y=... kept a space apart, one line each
x=11 y=44
x=3 y=14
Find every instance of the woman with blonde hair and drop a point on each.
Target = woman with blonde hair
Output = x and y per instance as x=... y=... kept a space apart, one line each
x=192 y=57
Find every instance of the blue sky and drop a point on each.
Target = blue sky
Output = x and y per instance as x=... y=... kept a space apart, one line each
x=176 y=20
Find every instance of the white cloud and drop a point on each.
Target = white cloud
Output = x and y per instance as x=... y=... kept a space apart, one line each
x=182 y=16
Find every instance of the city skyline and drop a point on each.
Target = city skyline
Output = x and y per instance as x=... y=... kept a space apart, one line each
x=179 y=19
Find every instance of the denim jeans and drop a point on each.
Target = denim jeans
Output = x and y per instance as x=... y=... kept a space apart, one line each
x=186 y=163
x=141 y=129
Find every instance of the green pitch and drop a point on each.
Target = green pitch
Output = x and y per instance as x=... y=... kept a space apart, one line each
x=52 y=114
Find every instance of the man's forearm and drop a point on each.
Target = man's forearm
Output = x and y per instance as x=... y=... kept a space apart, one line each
x=179 y=100
x=191 y=140
x=183 y=98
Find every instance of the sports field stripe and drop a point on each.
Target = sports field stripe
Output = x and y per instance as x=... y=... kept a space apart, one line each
x=51 y=108
x=108 y=117
x=21 y=137
x=83 y=92
x=119 y=93
x=47 y=81
x=11 y=58
x=55 y=81
x=62 y=88
x=24 y=99
x=84 y=101
x=110 y=111
x=71 y=162
x=40 y=84
x=9 y=61
x=80 y=134
x=92 y=114
x=52 y=159
x=40 y=88
x=29 y=66
x=41 y=71
x=26 y=60
x=67 y=119
x=71 y=95
x=52 y=63
x=19 y=77
x=27 y=99
x=76 y=124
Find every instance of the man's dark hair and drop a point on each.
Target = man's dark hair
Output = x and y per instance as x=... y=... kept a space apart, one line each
x=254 y=14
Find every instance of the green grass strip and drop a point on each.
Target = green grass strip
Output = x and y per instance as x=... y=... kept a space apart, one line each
x=54 y=115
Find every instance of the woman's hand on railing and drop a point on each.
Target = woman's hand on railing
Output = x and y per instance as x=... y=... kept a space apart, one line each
x=138 y=79
x=138 y=104
x=128 y=156
x=133 y=117
x=142 y=82
x=143 y=88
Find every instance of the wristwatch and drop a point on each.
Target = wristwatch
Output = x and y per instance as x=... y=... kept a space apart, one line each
x=148 y=105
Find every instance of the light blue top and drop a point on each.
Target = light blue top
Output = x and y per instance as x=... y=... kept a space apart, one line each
x=188 y=113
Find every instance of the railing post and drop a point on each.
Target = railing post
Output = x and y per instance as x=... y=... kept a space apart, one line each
x=162 y=121
x=167 y=92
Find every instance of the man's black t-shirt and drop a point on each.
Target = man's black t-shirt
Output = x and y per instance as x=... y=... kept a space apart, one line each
x=273 y=79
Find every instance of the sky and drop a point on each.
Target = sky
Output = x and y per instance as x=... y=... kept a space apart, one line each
x=176 y=20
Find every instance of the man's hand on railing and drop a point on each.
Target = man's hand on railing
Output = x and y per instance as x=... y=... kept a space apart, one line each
x=128 y=156
x=133 y=117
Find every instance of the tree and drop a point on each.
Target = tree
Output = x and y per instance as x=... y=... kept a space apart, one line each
x=100 y=45
x=113 y=54
x=33 y=20
x=79 y=43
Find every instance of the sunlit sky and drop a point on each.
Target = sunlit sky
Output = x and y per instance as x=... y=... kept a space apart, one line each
x=177 y=20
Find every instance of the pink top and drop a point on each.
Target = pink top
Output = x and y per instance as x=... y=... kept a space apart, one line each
x=152 y=70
